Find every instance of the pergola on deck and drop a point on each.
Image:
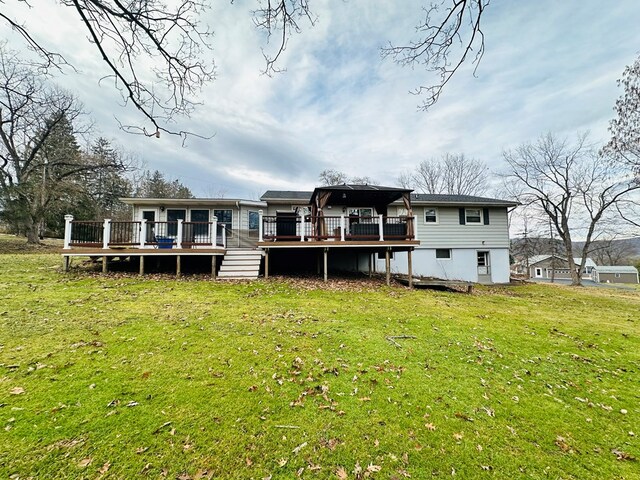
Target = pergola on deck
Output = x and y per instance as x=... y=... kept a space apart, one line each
x=373 y=234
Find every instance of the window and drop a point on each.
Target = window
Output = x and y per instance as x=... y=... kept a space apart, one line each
x=473 y=215
x=225 y=219
x=200 y=229
x=443 y=253
x=430 y=215
x=617 y=275
x=254 y=219
x=173 y=215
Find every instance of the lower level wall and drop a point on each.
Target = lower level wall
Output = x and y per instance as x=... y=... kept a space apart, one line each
x=461 y=266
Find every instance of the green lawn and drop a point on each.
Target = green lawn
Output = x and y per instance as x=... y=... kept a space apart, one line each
x=118 y=376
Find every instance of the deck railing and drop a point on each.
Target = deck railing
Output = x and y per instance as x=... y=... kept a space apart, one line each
x=143 y=234
x=336 y=228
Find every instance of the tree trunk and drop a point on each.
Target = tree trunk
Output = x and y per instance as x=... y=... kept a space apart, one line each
x=32 y=227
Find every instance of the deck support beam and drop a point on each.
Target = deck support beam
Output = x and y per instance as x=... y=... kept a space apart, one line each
x=141 y=272
x=266 y=263
x=65 y=263
x=105 y=264
x=325 y=263
x=410 y=268
x=214 y=266
x=387 y=265
x=178 y=266
x=370 y=265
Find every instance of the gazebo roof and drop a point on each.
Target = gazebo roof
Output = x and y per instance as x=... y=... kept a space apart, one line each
x=360 y=195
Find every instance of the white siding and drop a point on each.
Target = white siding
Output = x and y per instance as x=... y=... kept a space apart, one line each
x=461 y=266
x=448 y=233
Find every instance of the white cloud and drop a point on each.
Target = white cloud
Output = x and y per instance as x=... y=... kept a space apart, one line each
x=548 y=66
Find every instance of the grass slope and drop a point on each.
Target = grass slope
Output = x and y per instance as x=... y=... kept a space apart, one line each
x=121 y=377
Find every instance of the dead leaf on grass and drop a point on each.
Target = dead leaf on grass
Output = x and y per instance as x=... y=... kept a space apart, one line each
x=430 y=426
x=342 y=474
x=85 y=462
x=17 y=391
x=105 y=468
x=620 y=455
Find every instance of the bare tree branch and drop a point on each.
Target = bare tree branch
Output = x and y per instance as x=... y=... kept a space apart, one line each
x=448 y=37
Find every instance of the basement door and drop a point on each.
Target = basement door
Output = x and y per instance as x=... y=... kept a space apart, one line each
x=484 y=267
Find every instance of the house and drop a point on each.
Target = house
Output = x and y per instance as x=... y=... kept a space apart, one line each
x=342 y=227
x=555 y=266
x=620 y=274
x=461 y=237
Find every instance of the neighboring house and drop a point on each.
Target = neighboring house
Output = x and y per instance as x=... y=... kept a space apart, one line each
x=346 y=227
x=555 y=266
x=620 y=274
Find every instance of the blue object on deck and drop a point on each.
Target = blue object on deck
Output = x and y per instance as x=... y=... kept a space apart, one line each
x=164 y=242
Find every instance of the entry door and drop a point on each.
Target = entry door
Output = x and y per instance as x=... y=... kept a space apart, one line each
x=538 y=272
x=150 y=217
x=484 y=267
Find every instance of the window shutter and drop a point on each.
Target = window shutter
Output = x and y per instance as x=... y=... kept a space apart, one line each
x=462 y=216
x=485 y=214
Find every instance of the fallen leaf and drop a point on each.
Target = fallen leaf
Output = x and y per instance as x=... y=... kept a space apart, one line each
x=342 y=474
x=248 y=461
x=140 y=450
x=371 y=468
x=458 y=436
x=620 y=455
x=430 y=426
x=85 y=462
x=16 y=391
x=104 y=469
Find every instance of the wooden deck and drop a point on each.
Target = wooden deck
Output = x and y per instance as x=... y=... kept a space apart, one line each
x=136 y=252
x=369 y=244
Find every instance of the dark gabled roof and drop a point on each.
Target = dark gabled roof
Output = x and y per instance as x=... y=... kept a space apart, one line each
x=286 y=195
x=353 y=195
x=433 y=199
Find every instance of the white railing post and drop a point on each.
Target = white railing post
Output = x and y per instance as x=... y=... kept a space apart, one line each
x=302 y=227
x=214 y=226
x=179 y=234
x=380 y=228
x=68 y=219
x=260 y=227
x=106 y=233
x=342 y=225
x=224 y=237
x=414 y=224
x=143 y=232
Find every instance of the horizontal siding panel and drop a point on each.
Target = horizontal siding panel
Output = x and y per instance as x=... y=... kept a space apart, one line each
x=448 y=233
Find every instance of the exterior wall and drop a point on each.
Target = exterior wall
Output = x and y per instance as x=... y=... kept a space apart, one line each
x=448 y=233
x=161 y=216
x=461 y=266
x=611 y=278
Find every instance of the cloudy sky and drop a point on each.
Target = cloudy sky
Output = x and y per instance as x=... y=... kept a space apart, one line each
x=548 y=66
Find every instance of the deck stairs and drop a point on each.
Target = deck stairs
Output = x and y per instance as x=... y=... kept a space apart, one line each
x=240 y=264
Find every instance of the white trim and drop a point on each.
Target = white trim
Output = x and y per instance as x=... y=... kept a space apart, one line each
x=466 y=218
x=424 y=216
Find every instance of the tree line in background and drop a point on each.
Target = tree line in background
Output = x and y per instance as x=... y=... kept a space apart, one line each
x=45 y=173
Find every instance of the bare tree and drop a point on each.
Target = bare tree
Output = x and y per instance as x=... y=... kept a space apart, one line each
x=613 y=251
x=448 y=36
x=135 y=39
x=452 y=174
x=571 y=185
x=39 y=155
x=625 y=128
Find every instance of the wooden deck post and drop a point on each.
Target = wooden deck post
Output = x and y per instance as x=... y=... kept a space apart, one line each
x=65 y=263
x=105 y=267
x=179 y=234
x=381 y=227
x=326 y=255
x=410 y=268
x=143 y=233
x=266 y=263
x=387 y=264
x=370 y=262
x=214 y=265
x=178 y=266
x=68 y=219
x=106 y=233
x=141 y=265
